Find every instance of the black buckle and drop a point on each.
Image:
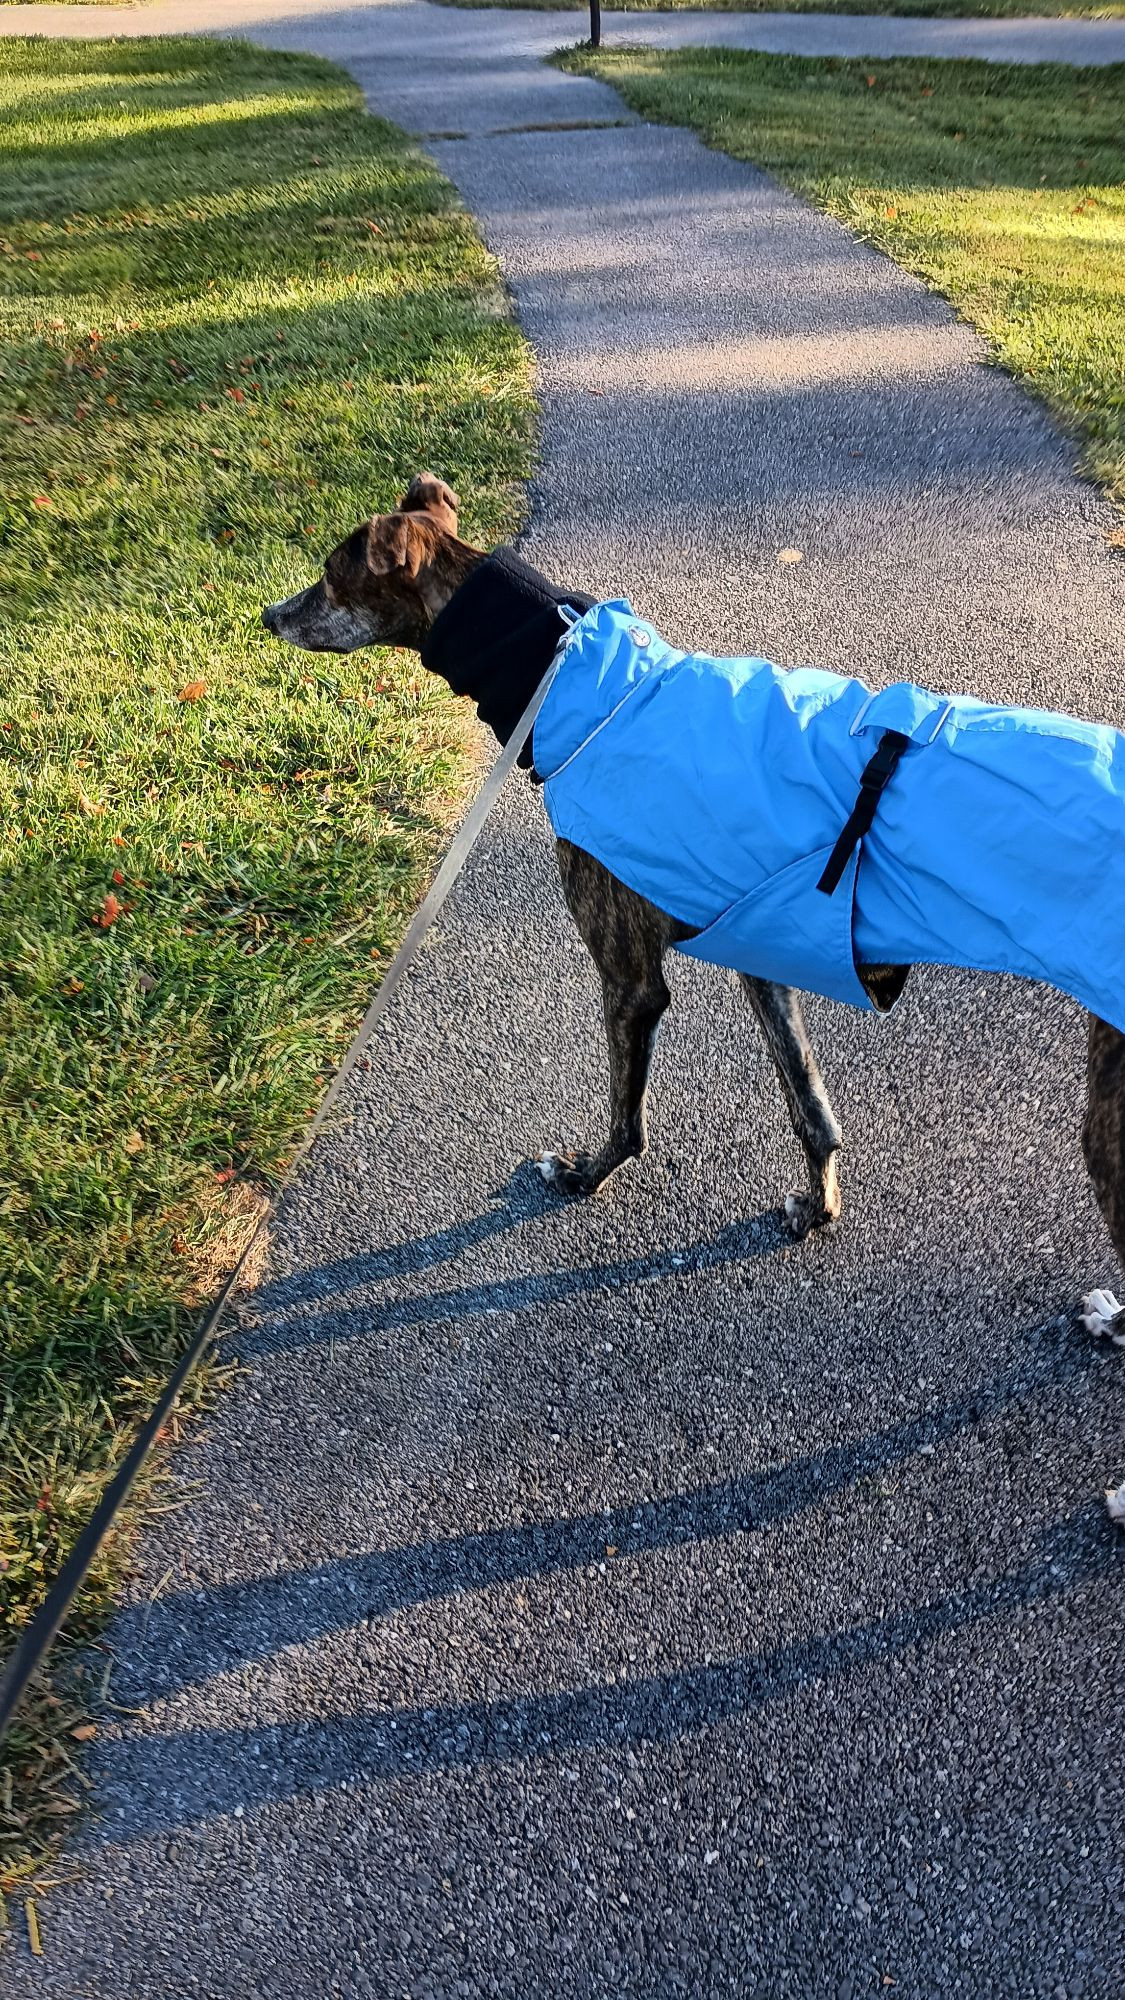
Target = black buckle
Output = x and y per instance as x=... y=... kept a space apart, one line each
x=876 y=773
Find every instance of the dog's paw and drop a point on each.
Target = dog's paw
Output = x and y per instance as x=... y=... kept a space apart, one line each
x=1102 y=1316
x=570 y=1173
x=1115 y=1504
x=803 y=1214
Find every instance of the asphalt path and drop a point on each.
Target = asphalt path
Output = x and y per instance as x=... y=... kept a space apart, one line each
x=478 y=41
x=617 y=1598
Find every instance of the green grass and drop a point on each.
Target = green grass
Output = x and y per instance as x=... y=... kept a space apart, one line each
x=1003 y=187
x=235 y=315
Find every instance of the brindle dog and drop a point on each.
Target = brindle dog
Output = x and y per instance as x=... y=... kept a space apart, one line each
x=385 y=585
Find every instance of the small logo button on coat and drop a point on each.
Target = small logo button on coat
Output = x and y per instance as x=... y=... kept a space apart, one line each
x=639 y=636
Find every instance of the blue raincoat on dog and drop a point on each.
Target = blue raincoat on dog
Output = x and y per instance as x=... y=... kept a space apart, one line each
x=719 y=790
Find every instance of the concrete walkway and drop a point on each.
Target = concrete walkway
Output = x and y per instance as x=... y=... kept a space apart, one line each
x=617 y=1599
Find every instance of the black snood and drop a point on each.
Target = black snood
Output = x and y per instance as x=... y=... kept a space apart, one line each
x=497 y=637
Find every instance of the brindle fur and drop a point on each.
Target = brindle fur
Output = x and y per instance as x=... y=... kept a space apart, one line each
x=627 y=937
x=385 y=585
x=1103 y=1137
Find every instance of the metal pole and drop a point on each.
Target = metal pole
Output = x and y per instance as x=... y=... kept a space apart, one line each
x=595 y=24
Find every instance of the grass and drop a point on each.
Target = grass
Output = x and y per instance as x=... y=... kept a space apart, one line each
x=235 y=314
x=1078 y=10
x=1001 y=186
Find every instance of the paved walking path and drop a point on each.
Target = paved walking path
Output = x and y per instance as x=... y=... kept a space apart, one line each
x=487 y=40
x=617 y=1599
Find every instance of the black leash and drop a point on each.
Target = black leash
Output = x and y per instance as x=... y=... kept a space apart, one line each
x=876 y=774
x=43 y=1630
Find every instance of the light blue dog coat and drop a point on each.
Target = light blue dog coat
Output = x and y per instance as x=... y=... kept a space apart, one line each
x=718 y=790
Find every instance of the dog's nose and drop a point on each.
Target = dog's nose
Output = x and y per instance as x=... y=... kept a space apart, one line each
x=269 y=613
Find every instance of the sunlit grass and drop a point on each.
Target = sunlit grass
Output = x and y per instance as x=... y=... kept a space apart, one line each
x=1002 y=186
x=235 y=315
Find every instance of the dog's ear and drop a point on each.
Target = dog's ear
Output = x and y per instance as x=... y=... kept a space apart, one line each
x=396 y=542
x=427 y=494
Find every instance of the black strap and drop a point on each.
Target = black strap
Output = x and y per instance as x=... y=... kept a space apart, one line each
x=876 y=773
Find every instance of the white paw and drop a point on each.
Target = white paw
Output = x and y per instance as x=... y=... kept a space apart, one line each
x=1115 y=1503
x=1102 y=1315
x=548 y=1165
x=797 y=1214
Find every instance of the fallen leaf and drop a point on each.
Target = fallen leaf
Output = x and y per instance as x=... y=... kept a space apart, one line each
x=870 y=82
x=41 y=500
x=790 y=556
x=194 y=691
x=594 y=392
x=74 y=985
x=88 y=805
x=134 y=1143
x=85 y=1732
x=890 y=213
x=237 y=395
x=117 y=878
x=110 y=911
x=1116 y=538
x=224 y=1173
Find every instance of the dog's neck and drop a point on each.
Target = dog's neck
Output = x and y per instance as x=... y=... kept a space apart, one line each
x=439 y=580
x=495 y=636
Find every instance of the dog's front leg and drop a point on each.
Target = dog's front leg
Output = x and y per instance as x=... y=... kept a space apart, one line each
x=779 y=1013
x=632 y=1019
x=627 y=939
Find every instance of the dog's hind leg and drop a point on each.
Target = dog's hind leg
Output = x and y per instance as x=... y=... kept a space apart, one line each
x=626 y=937
x=1103 y=1146
x=779 y=1013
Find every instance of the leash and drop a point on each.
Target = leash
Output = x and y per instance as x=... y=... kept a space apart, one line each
x=40 y=1635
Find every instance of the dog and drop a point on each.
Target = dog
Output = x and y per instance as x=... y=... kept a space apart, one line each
x=392 y=582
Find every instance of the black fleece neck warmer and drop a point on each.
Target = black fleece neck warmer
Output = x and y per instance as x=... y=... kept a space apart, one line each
x=497 y=636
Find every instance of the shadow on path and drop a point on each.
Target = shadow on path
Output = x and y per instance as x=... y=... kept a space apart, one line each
x=200 y=1774
x=190 y=1635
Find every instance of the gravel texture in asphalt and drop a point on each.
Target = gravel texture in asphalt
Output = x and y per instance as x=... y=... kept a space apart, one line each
x=618 y=1598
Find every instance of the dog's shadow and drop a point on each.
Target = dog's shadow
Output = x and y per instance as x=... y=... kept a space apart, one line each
x=523 y=1199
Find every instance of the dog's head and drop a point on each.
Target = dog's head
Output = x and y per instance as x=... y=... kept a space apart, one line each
x=383 y=585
